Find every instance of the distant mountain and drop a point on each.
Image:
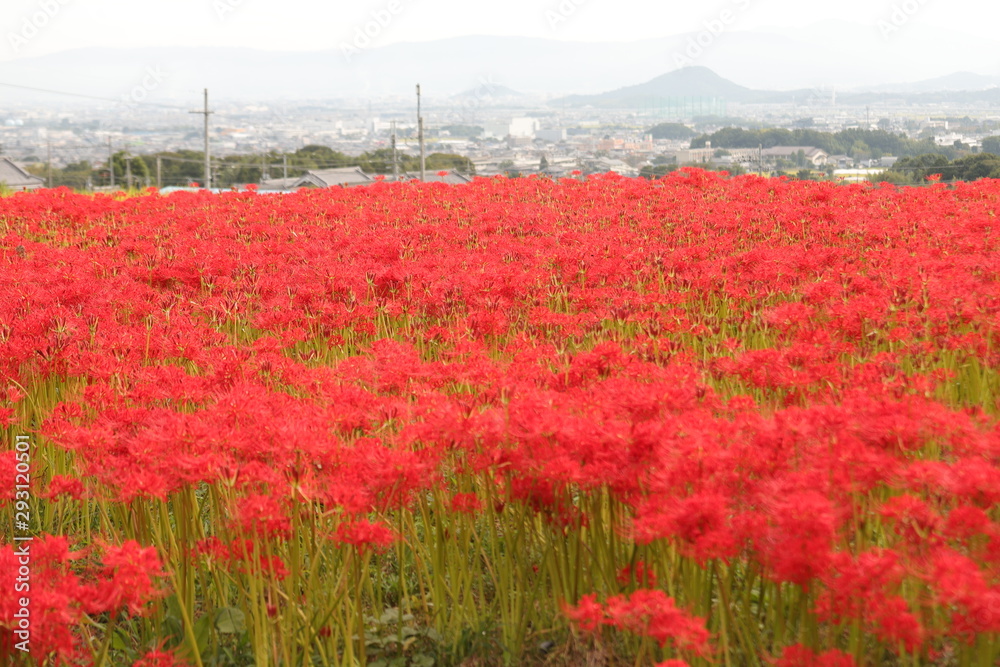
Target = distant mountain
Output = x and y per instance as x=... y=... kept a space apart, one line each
x=688 y=82
x=696 y=85
x=944 y=97
x=958 y=81
x=488 y=91
x=804 y=64
x=443 y=68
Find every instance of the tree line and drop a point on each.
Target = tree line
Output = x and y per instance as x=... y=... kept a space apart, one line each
x=930 y=166
x=855 y=143
x=181 y=168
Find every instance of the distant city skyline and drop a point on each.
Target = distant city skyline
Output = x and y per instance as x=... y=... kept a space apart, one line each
x=306 y=25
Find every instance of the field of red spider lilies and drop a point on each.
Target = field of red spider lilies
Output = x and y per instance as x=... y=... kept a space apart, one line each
x=698 y=420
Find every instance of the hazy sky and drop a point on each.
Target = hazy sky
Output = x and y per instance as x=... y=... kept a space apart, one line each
x=36 y=27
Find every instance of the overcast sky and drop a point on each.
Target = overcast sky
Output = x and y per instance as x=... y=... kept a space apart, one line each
x=324 y=24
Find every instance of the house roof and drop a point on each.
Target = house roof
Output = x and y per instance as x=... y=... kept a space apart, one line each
x=325 y=178
x=278 y=184
x=13 y=176
x=451 y=177
x=809 y=151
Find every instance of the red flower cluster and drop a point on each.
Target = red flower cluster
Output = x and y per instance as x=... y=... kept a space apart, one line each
x=798 y=381
x=63 y=585
x=649 y=613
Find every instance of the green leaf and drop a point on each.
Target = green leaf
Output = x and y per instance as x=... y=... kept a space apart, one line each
x=203 y=633
x=174 y=629
x=389 y=616
x=118 y=641
x=230 y=621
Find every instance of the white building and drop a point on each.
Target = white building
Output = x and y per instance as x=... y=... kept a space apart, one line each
x=553 y=136
x=524 y=127
x=496 y=129
x=948 y=139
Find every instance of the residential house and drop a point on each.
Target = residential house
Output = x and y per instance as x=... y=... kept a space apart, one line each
x=347 y=177
x=277 y=184
x=15 y=177
x=449 y=177
x=694 y=155
x=815 y=156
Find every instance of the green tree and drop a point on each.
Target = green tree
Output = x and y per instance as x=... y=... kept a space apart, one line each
x=675 y=131
x=859 y=150
x=867 y=143
x=991 y=145
x=919 y=167
x=320 y=157
x=450 y=162
x=138 y=169
x=469 y=131
x=974 y=167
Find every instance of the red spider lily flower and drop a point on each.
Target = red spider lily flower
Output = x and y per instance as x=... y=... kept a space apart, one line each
x=159 y=658
x=798 y=544
x=913 y=519
x=466 y=503
x=264 y=514
x=651 y=613
x=365 y=534
x=8 y=473
x=442 y=173
x=798 y=655
x=587 y=614
x=641 y=574
x=700 y=523
x=129 y=574
x=65 y=486
x=648 y=613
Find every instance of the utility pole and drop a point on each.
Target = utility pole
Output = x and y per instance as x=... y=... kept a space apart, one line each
x=208 y=157
x=284 y=171
x=128 y=171
x=420 y=137
x=395 y=165
x=111 y=164
x=50 y=162
x=159 y=172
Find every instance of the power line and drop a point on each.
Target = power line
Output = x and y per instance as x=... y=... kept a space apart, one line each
x=174 y=107
x=84 y=96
